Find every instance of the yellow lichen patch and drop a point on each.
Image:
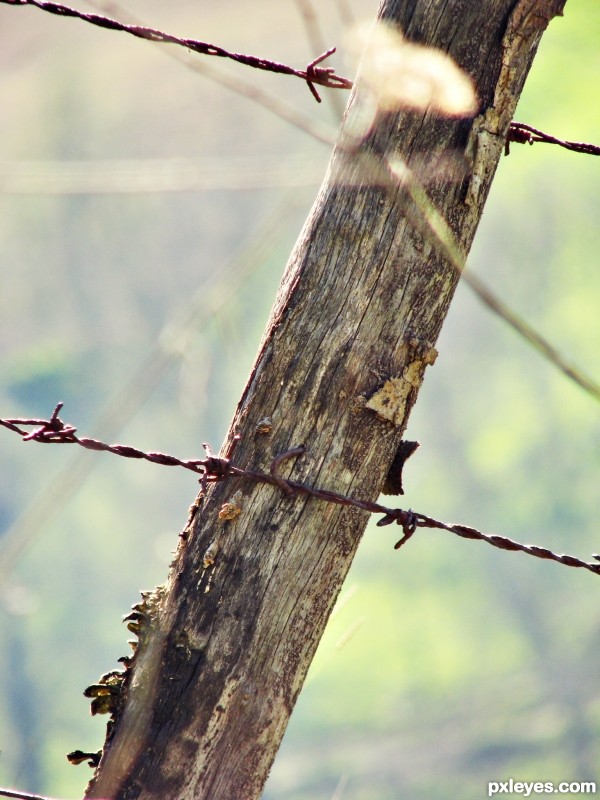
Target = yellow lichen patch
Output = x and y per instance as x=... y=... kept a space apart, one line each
x=211 y=554
x=424 y=350
x=229 y=511
x=389 y=402
x=232 y=509
x=264 y=425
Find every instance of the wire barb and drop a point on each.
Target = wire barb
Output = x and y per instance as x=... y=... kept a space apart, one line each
x=216 y=468
x=325 y=76
x=313 y=74
x=521 y=133
x=276 y=463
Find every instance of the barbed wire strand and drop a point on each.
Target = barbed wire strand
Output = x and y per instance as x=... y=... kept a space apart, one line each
x=521 y=133
x=305 y=124
x=213 y=469
x=447 y=240
x=525 y=330
x=207 y=302
x=518 y=133
x=319 y=131
x=313 y=75
x=316 y=41
x=23 y=795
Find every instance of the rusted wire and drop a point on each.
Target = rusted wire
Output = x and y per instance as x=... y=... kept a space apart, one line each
x=521 y=133
x=55 y=431
x=213 y=469
x=316 y=40
x=22 y=795
x=518 y=132
x=504 y=543
x=313 y=74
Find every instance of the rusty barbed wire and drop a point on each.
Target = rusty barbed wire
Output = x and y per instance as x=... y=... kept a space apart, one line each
x=55 y=431
x=250 y=90
x=23 y=795
x=213 y=469
x=206 y=303
x=313 y=74
x=518 y=132
x=521 y=133
x=317 y=43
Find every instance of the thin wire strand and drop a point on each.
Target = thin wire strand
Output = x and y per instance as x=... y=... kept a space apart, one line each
x=23 y=795
x=435 y=222
x=213 y=469
x=316 y=129
x=312 y=75
x=37 y=513
x=156 y=175
x=447 y=243
x=317 y=44
x=207 y=303
x=531 y=336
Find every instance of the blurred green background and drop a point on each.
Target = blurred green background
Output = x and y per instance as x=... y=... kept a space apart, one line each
x=146 y=216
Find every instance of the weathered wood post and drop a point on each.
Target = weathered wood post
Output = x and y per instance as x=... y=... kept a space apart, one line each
x=229 y=639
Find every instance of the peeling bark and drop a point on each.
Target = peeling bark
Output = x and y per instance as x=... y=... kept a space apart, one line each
x=351 y=333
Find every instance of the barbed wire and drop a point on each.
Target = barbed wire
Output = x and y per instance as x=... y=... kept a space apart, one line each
x=317 y=43
x=271 y=102
x=518 y=132
x=214 y=469
x=23 y=795
x=521 y=133
x=206 y=303
x=313 y=74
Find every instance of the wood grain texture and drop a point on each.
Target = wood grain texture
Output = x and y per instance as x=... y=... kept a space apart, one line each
x=362 y=300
